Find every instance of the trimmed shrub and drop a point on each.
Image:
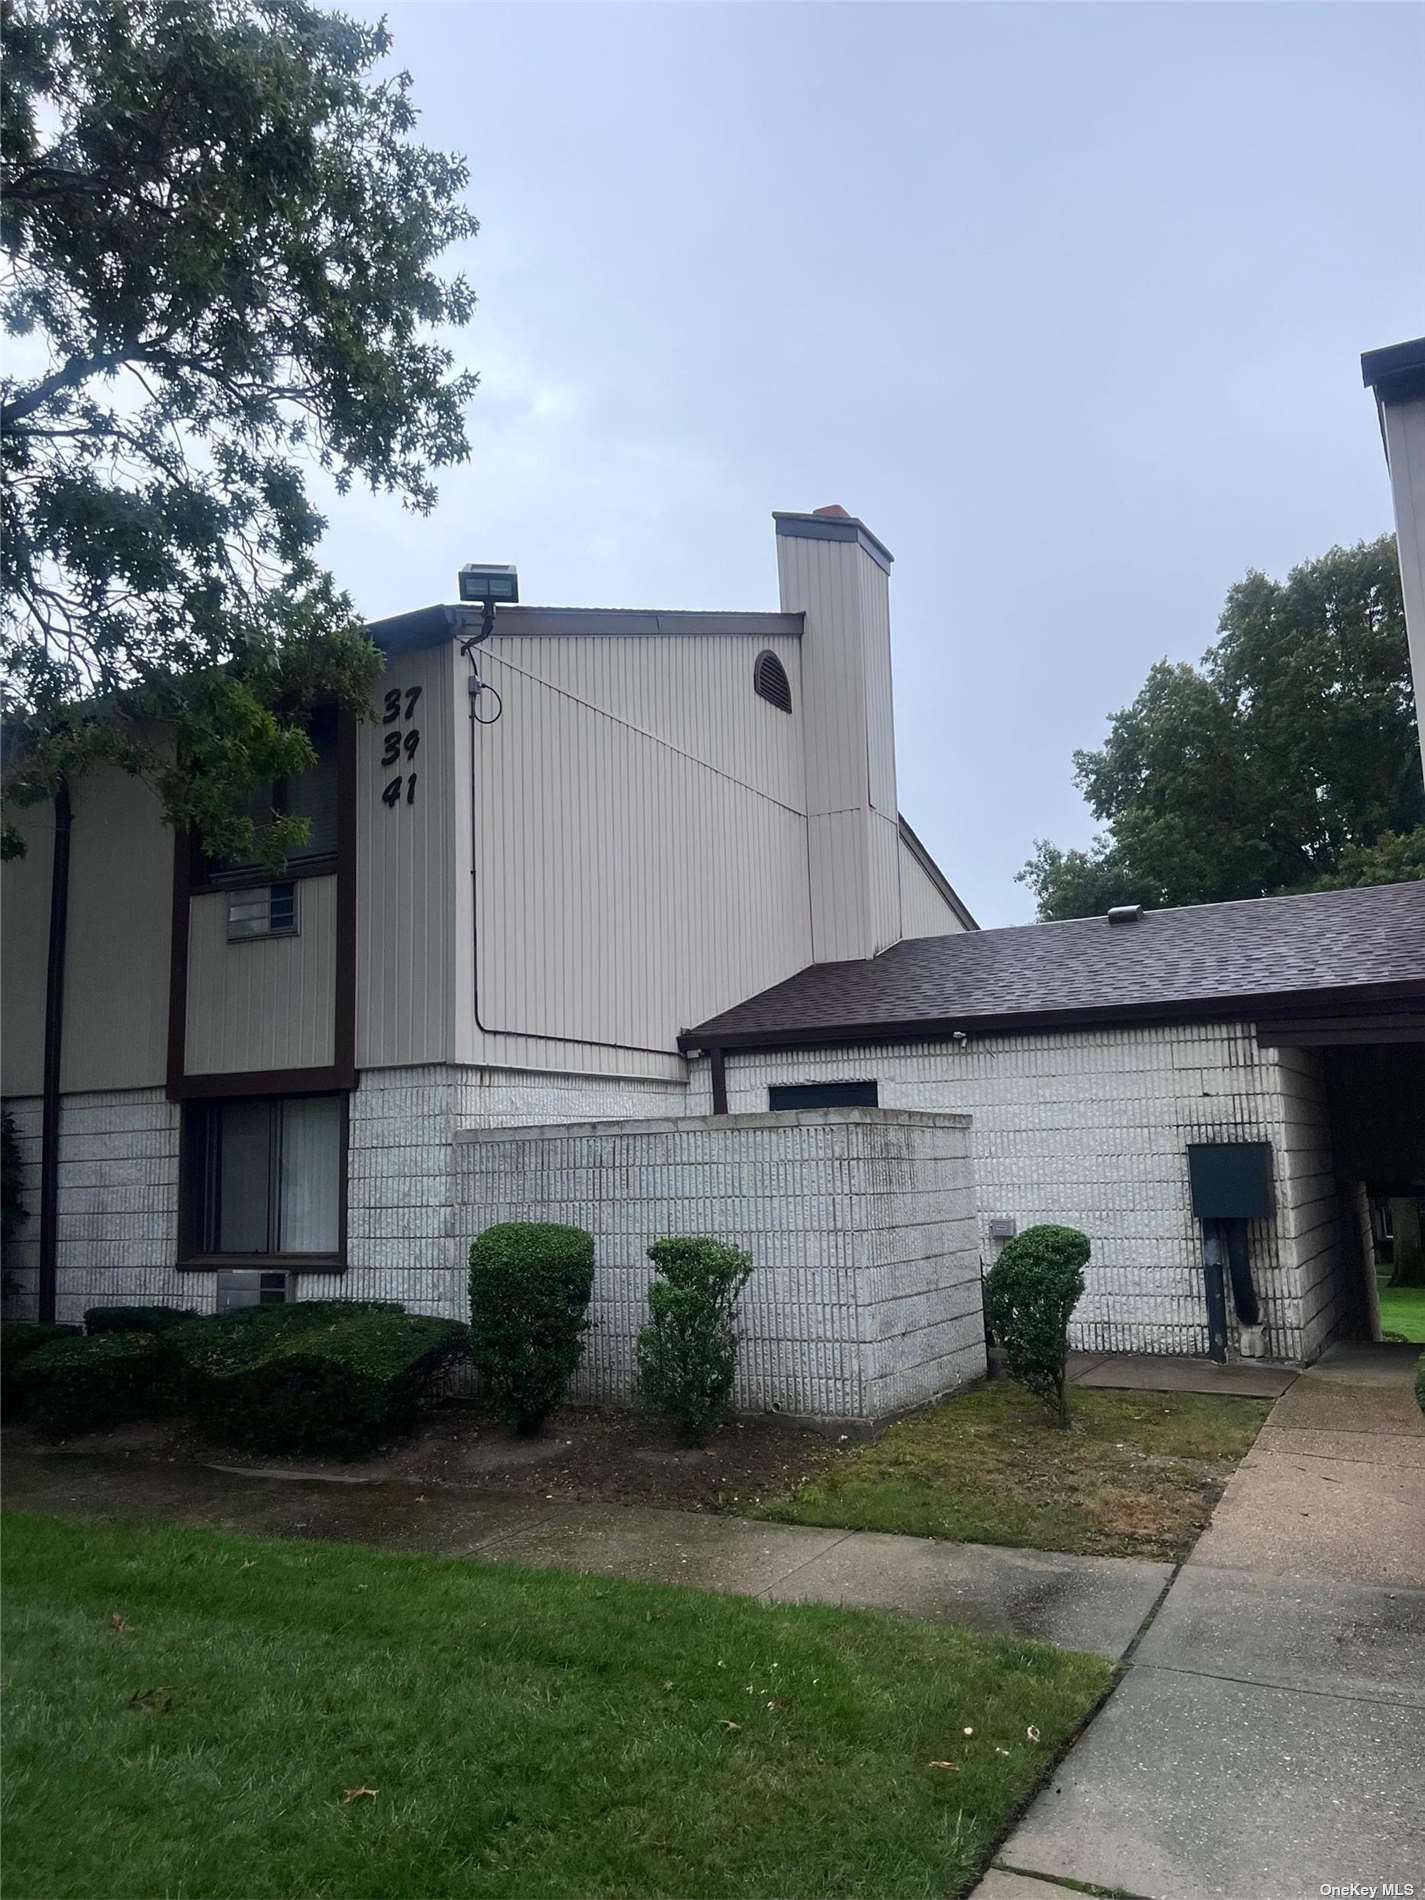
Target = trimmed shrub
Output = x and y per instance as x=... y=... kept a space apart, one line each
x=13 y=1211
x=208 y=1349
x=18 y=1339
x=1031 y=1291
x=687 y=1356
x=136 y=1319
x=340 y=1388
x=82 y=1384
x=530 y=1286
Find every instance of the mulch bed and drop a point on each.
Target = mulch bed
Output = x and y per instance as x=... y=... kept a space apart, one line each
x=587 y=1452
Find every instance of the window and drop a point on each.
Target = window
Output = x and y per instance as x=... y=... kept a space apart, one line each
x=770 y=682
x=267 y=912
x=313 y=795
x=823 y=1095
x=265 y=1178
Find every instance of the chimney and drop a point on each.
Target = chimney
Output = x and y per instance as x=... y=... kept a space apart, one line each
x=832 y=569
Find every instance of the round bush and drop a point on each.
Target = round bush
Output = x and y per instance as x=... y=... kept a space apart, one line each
x=136 y=1319
x=530 y=1286
x=687 y=1355
x=1030 y=1293
x=81 y=1385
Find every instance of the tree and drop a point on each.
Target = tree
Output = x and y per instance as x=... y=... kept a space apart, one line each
x=221 y=241
x=1288 y=761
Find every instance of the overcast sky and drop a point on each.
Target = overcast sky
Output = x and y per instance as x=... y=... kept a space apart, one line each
x=1065 y=302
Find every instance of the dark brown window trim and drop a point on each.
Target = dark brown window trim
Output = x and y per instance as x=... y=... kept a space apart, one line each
x=265 y=1262
x=335 y=1079
x=192 y=1260
x=247 y=879
x=187 y=864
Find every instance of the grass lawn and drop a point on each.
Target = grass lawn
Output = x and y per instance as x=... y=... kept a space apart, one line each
x=1136 y=1476
x=1402 y=1313
x=188 y=1711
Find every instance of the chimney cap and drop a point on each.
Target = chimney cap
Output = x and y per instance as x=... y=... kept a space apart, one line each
x=834 y=524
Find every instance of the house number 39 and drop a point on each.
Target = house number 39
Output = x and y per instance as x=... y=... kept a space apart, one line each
x=401 y=744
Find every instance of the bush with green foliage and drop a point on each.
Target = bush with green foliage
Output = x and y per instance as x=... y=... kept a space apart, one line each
x=13 y=1211
x=687 y=1355
x=205 y=1350
x=83 y=1384
x=530 y=1286
x=18 y=1339
x=1031 y=1292
x=136 y=1319
x=340 y=1388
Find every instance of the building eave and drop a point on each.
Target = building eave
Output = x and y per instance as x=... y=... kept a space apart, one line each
x=1297 y=1007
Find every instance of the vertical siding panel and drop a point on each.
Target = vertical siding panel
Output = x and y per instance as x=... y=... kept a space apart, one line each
x=653 y=885
x=406 y=871
x=268 y=1004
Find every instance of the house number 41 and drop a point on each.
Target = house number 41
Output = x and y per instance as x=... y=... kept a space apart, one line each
x=401 y=743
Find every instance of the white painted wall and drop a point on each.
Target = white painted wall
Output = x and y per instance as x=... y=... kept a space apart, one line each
x=117 y=945
x=925 y=912
x=24 y=950
x=640 y=844
x=850 y=740
x=413 y=942
x=1405 y=448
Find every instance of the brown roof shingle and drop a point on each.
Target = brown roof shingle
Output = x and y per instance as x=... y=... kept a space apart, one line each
x=1328 y=947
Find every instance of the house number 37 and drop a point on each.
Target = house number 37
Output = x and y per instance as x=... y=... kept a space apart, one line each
x=401 y=743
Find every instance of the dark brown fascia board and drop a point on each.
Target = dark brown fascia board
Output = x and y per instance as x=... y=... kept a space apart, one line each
x=331 y=1080
x=934 y=873
x=835 y=528
x=1299 y=1005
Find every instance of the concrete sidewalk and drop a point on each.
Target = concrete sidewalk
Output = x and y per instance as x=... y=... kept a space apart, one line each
x=1268 y=1739
x=1091 y=1603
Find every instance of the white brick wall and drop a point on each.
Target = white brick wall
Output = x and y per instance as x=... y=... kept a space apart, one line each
x=865 y=1295
x=1091 y=1128
x=1088 y=1127
x=118 y=1205
x=1317 y=1221
x=407 y=1239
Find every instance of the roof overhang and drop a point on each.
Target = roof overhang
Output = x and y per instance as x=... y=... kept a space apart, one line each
x=429 y=626
x=1397 y=373
x=1397 y=1007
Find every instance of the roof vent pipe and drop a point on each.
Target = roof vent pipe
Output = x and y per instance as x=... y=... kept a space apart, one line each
x=1125 y=914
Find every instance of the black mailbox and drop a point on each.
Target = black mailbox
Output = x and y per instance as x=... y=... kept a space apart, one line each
x=1231 y=1180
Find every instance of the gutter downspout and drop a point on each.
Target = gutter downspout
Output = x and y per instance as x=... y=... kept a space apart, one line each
x=53 y=1052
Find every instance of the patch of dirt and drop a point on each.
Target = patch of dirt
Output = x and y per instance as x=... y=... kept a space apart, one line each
x=586 y=1452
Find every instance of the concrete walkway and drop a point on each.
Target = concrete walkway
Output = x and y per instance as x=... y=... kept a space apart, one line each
x=1091 y=1603
x=1267 y=1741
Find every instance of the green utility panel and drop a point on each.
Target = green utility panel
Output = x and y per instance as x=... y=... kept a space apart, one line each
x=1231 y=1180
